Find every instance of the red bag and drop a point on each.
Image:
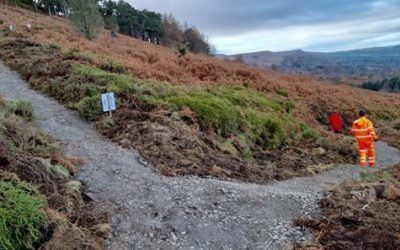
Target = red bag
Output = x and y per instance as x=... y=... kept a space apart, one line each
x=336 y=121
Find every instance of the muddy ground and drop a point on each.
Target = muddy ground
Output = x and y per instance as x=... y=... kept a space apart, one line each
x=360 y=215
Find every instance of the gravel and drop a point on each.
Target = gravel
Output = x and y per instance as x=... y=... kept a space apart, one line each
x=150 y=211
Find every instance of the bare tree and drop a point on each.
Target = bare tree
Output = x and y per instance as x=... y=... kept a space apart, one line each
x=85 y=15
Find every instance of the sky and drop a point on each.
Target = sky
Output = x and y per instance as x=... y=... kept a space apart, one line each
x=241 y=26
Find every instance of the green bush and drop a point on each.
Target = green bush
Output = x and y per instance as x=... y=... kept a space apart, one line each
x=84 y=74
x=212 y=112
x=114 y=67
x=75 y=54
x=267 y=131
x=246 y=97
x=21 y=215
x=310 y=134
x=88 y=90
x=89 y=107
x=23 y=109
x=282 y=92
x=51 y=49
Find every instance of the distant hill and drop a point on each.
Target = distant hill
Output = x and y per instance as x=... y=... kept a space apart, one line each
x=351 y=67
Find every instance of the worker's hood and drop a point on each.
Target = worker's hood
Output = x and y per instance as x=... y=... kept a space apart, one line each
x=361 y=121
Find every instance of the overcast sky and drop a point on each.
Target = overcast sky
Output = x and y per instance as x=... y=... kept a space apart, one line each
x=238 y=26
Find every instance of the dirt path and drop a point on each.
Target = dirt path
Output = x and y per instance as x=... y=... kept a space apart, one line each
x=155 y=212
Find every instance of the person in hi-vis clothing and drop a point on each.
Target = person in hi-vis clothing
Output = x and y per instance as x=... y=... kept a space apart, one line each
x=364 y=131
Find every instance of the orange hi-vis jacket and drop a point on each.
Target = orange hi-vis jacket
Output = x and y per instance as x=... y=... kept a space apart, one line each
x=363 y=130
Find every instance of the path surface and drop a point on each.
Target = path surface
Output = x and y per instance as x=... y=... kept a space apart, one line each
x=156 y=212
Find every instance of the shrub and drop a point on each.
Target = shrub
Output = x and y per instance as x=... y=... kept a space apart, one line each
x=245 y=97
x=267 y=131
x=310 y=134
x=374 y=86
x=182 y=50
x=21 y=215
x=114 y=67
x=282 y=92
x=89 y=90
x=105 y=123
x=89 y=107
x=51 y=49
x=88 y=74
x=23 y=109
x=75 y=54
x=397 y=126
x=211 y=111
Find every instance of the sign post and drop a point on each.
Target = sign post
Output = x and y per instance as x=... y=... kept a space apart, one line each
x=108 y=102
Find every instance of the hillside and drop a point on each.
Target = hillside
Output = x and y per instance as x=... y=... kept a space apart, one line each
x=192 y=114
x=351 y=67
x=42 y=205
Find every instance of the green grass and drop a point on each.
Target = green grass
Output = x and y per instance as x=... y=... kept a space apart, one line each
x=17 y=132
x=21 y=215
x=23 y=109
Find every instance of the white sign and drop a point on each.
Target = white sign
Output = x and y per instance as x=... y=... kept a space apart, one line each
x=108 y=101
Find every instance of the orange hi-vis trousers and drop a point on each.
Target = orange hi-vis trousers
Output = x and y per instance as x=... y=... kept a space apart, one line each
x=366 y=152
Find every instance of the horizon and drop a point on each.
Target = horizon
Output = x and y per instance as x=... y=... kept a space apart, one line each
x=310 y=51
x=265 y=25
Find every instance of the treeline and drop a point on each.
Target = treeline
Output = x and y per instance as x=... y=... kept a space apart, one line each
x=390 y=85
x=141 y=24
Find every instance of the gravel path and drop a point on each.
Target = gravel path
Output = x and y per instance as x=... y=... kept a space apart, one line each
x=155 y=212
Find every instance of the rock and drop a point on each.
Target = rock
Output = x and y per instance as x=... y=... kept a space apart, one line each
x=102 y=230
x=387 y=191
x=185 y=163
x=318 y=151
x=126 y=143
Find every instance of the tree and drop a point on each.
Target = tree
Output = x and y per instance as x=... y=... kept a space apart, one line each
x=51 y=6
x=150 y=23
x=127 y=19
x=196 y=41
x=108 y=10
x=85 y=15
x=172 y=34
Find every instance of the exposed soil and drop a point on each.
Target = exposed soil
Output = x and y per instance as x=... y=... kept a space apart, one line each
x=360 y=215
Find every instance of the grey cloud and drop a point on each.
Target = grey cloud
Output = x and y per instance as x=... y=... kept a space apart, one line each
x=225 y=18
x=230 y=16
